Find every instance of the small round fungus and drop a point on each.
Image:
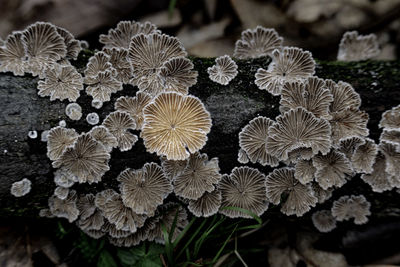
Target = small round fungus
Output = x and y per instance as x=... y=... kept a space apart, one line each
x=391 y=119
x=323 y=221
x=118 y=123
x=102 y=135
x=121 y=36
x=84 y=44
x=175 y=125
x=258 y=42
x=304 y=171
x=92 y=118
x=12 y=55
x=244 y=188
x=61 y=82
x=144 y=189
x=348 y=207
x=253 y=141
x=364 y=156
x=298 y=128
x=288 y=64
x=300 y=198
x=101 y=86
x=32 y=134
x=354 y=47
x=21 y=188
x=119 y=61
x=87 y=159
x=199 y=176
x=61 y=192
x=62 y=123
x=73 y=111
x=332 y=169
x=97 y=104
x=208 y=204
x=378 y=178
x=58 y=139
x=172 y=168
x=64 y=208
x=134 y=106
x=344 y=96
x=44 y=136
x=224 y=70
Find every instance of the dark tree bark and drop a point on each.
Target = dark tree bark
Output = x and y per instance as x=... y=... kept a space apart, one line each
x=231 y=108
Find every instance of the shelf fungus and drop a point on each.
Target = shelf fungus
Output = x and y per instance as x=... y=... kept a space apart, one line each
x=43 y=46
x=298 y=128
x=134 y=106
x=61 y=192
x=364 y=156
x=253 y=141
x=148 y=54
x=102 y=135
x=92 y=118
x=224 y=70
x=300 y=198
x=99 y=63
x=101 y=86
x=390 y=136
x=258 y=42
x=321 y=194
x=73 y=46
x=208 y=204
x=175 y=125
x=244 y=188
x=344 y=96
x=118 y=123
x=12 y=55
x=144 y=189
x=349 y=145
x=21 y=188
x=304 y=171
x=391 y=119
x=64 y=208
x=378 y=178
x=64 y=178
x=348 y=207
x=121 y=36
x=355 y=47
x=73 y=111
x=311 y=94
x=392 y=155
x=93 y=222
x=87 y=159
x=288 y=65
x=172 y=168
x=61 y=82
x=119 y=61
x=323 y=221
x=199 y=176
x=242 y=157
x=332 y=169
x=58 y=139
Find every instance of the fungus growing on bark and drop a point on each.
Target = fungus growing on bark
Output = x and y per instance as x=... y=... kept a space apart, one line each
x=101 y=86
x=73 y=46
x=244 y=188
x=73 y=111
x=364 y=156
x=43 y=46
x=102 y=197
x=391 y=119
x=95 y=234
x=208 y=204
x=32 y=134
x=12 y=55
x=310 y=94
x=64 y=178
x=172 y=168
x=64 y=208
x=92 y=222
x=304 y=171
x=177 y=75
x=86 y=205
x=134 y=106
x=392 y=155
x=121 y=36
x=97 y=104
x=99 y=63
x=242 y=156
x=323 y=221
x=112 y=230
x=344 y=96
x=44 y=136
x=62 y=123
x=58 y=139
x=288 y=65
x=144 y=189
x=147 y=54
x=224 y=70
x=119 y=61
x=199 y=176
x=298 y=128
x=354 y=47
x=87 y=159
x=390 y=136
x=61 y=192
x=348 y=145
x=21 y=188
x=118 y=123
x=61 y=82
x=253 y=140
x=92 y=118
x=378 y=178
x=300 y=198
x=258 y=42
x=302 y=153
x=102 y=135
x=321 y=194
x=332 y=169
x=348 y=207
x=175 y=125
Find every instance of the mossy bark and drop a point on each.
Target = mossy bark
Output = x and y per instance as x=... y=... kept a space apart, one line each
x=231 y=107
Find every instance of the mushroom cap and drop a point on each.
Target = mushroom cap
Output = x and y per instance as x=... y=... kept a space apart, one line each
x=64 y=178
x=224 y=71
x=61 y=192
x=73 y=111
x=21 y=188
x=175 y=125
x=73 y=46
x=208 y=204
x=348 y=207
x=243 y=188
x=348 y=145
x=118 y=123
x=58 y=139
x=134 y=106
x=378 y=178
x=64 y=208
x=391 y=119
x=92 y=118
x=99 y=62
x=86 y=205
x=364 y=156
x=93 y=222
x=101 y=86
x=172 y=168
x=12 y=55
x=242 y=156
x=344 y=96
x=323 y=221
x=355 y=47
x=390 y=135
x=304 y=171
x=391 y=151
x=102 y=135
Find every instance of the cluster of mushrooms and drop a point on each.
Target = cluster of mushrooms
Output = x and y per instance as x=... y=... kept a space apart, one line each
x=320 y=135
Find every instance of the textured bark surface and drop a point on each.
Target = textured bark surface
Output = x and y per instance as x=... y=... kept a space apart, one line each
x=231 y=108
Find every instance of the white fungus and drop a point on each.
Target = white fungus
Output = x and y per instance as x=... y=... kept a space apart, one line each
x=21 y=188
x=97 y=103
x=92 y=118
x=74 y=111
x=32 y=134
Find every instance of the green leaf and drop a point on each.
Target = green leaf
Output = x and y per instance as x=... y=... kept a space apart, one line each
x=248 y=212
x=138 y=256
x=106 y=260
